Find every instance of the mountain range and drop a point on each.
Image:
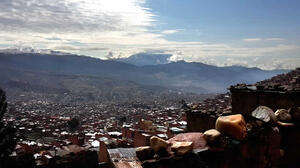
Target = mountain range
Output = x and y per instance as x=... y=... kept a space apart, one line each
x=59 y=73
x=142 y=59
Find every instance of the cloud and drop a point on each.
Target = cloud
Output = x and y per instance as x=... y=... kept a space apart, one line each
x=110 y=55
x=119 y=28
x=265 y=62
x=252 y=39
x=262 y=39
x=275 y=39
x=54 y=38
x=74 y=48
x=73 y=15
x=170 y=31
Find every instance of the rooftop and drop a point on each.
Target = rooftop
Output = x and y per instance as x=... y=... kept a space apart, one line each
x=289 y=82
x=124 y=157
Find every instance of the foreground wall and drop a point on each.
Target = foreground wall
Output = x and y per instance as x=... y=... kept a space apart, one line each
x=245 y=101
x=199 y=121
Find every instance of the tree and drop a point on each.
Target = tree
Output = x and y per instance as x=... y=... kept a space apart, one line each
x=8 y=138
x=74 y=124
x=184 y=105
x=122 y=119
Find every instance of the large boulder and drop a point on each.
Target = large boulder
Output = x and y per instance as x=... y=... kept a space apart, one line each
x=144 y=152
x=199 y=143
x=212 y=136
x=295 y=112
x=181 y=148
x=283 y=115
x=232 y=125
x=264 y=114
x=159 y=145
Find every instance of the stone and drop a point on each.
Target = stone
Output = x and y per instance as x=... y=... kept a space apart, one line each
x=233 y=126
x=264 y=114
x=144 y=153
x=284 y=124
x=295 y=112
x=199 y=143
x=159 y=145
x=182 y=148
x=259 y=123
x=283 y=115
x=282 y=152
x=212 y=136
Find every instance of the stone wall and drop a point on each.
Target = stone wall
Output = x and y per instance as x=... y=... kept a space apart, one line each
x=141 y=139
x=244 y=101
x=200 y=122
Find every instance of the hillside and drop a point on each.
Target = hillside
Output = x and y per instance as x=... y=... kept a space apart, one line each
x=21 y=85
x=183 y=76
x=142 y=59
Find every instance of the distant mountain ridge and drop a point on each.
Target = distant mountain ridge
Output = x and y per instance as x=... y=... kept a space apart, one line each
x=182 y=76
x=142 y=59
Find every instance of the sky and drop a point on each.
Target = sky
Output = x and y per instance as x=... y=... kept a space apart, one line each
x=252 y=33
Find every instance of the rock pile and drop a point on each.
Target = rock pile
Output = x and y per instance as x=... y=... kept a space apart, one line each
x=283 y=82
x=281 y=117
x=217 y=106
x=177 y=146
x=256 y=143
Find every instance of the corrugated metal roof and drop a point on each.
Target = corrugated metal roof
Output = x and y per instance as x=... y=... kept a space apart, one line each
x=126 y=164
x=122 y=153
x=124 y=158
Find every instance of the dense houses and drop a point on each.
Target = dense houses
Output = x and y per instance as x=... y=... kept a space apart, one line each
x=43 y=127
x=261 y=133
x=202 y=116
